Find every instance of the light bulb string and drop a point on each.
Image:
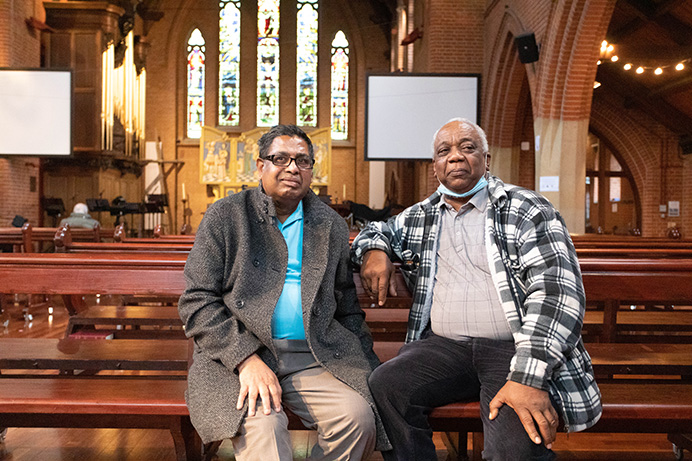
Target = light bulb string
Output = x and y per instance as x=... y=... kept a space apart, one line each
x=639 y=68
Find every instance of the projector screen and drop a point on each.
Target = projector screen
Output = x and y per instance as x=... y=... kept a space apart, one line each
x=35 y=112
x=403 y=111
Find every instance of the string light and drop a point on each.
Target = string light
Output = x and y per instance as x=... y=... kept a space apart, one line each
x=596 y=84
x=608 y=48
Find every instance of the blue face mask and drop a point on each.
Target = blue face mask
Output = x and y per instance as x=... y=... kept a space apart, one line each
x=479 y=185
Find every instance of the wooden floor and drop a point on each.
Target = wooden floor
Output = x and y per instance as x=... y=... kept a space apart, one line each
x=140 y=444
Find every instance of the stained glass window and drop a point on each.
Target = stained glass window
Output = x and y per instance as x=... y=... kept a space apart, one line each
x=340 y=86
x=267 y=62
x=229 y=62
x=195 y=84
x=306 y=70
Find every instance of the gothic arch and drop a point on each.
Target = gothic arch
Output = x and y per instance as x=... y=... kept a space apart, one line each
x=506 y=75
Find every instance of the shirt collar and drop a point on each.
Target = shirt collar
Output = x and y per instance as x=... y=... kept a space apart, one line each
x=297 y=215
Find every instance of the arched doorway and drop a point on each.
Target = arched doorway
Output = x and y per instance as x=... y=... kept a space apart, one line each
x=612 y=198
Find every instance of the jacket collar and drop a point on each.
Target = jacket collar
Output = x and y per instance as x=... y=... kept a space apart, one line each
x=312 y=212
x=496 y=191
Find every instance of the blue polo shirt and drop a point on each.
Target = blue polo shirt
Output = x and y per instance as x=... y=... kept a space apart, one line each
x=287 y=321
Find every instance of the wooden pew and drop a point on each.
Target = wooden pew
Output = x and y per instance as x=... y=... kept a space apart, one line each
x=629 y=252
x=184 y=232
x=589 y=245
x=120 y=235
x=85 y=402
x=127 y=322
x=611 y=282
x=68 y=355
x=611 y=241
x=27 y=237
x=64 y=243
x=141 y=403
x=19 y=238
x=101 y=403
x=615 y=282
x=661 y=408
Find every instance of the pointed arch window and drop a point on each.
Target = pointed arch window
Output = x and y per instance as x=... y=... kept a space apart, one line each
x=267 y=62
x=195 y=84
x=306 y=66
x=229 y=63
x=340 y=70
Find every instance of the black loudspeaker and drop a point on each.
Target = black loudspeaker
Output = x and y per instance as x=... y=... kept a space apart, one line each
x=527 y=48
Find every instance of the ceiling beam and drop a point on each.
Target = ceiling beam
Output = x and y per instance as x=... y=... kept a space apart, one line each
x=645 y=11
x=679 y=31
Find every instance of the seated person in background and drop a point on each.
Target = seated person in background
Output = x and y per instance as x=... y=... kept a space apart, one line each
x=271 y=306
x=498 y=306
x=80 y=217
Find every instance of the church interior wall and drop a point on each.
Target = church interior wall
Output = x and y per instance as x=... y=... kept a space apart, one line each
x=471 y=37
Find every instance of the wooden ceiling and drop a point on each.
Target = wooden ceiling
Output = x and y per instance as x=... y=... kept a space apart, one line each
x=651 y=34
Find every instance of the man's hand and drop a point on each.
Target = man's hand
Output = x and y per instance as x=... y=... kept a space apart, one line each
x=256 y=378
x=531 y=405
x=376 y=274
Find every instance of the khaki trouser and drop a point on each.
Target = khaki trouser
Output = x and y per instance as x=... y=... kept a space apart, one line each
x=344 y=421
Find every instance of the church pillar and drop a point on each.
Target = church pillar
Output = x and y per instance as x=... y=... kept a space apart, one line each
x=560 y=167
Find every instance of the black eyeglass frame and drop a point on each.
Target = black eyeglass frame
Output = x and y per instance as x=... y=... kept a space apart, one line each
x=291 y=159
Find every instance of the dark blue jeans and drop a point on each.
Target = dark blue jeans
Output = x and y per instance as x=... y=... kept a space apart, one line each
x=435 y=371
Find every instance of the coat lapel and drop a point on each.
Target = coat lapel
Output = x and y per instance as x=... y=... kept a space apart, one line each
x=316 y=231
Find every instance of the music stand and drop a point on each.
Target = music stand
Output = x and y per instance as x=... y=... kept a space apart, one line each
x=54 y=207
x=98 y=204
x=155 y=203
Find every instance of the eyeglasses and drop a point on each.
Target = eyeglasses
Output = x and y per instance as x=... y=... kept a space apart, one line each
x=303 y=162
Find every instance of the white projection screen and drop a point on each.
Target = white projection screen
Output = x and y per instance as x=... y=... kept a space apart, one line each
x=35 y=112
x=403 y=111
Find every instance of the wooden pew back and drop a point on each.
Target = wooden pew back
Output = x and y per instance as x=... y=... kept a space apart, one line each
x=64 y=243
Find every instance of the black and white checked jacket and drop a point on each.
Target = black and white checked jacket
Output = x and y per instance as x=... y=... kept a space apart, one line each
x=536 y=273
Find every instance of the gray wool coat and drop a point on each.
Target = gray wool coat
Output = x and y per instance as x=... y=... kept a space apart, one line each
x=235 y=274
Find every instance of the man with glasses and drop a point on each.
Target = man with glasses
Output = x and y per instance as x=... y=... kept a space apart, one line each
x=272 y=308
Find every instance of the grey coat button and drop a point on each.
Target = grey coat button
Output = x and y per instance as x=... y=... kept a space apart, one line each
x=239 y=304
x=256 y=263
x=337 y=355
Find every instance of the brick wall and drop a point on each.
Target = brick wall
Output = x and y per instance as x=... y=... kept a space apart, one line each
x=452 y=43
x=19 y=47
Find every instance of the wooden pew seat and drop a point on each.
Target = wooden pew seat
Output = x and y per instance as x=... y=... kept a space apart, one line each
x=101 y=403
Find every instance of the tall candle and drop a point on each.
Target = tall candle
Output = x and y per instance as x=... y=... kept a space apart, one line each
x=343 y=195
x=183 y=191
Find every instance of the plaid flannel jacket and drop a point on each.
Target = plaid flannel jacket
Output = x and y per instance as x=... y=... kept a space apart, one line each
x=536 y=273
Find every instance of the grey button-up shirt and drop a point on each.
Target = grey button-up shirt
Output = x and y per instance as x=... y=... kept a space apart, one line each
x=465 y=301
